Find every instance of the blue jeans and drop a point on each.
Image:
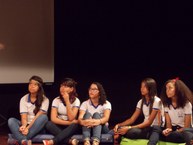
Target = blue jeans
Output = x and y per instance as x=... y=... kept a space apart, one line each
x=38 y=125
x=151 y=133
x=96 y=130
x=188 y=135
x=62 y=133
x=175 y=136
x=154 y=135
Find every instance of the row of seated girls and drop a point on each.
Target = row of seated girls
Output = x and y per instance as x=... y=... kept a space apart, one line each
x=167 y=118
x=93 y=114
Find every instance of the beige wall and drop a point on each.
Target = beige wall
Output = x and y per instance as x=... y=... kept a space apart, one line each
x=27 y=32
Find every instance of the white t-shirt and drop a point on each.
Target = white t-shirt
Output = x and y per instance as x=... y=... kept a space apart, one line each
x=177 y=115
x=88 y=106
x=26 y=106
x=157 y=105
x=62 y=114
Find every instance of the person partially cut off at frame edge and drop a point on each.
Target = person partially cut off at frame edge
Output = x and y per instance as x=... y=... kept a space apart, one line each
x=177 y=99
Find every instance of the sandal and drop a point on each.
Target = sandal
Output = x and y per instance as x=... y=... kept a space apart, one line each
x=47 y=142
x=86 y=142
x=26 y=142
x=73 y=141
x=95 y=142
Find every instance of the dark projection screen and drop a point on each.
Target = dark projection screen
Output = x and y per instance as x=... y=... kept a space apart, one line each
x=26 y=40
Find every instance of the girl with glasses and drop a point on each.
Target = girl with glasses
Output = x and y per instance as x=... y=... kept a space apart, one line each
x=94 y=114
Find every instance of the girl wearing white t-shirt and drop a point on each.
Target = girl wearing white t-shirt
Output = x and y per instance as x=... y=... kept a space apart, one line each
x=33 y=111
x=64 y=112
x=94 y=114
x=176 y=98
x=150 y=106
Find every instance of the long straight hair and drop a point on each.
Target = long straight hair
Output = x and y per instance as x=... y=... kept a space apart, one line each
x=152 y=88
x=40 y=93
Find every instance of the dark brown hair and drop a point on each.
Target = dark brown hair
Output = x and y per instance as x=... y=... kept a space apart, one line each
x=40 y=93
x=102 y=93
x=152 y=88
x=69 y=82
x=182 y=92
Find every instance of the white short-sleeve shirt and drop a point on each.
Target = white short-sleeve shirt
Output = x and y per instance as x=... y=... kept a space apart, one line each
x=88 y=106
x=26 y=106
x=177 y=115
x=157 y=105
x=62 y=113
